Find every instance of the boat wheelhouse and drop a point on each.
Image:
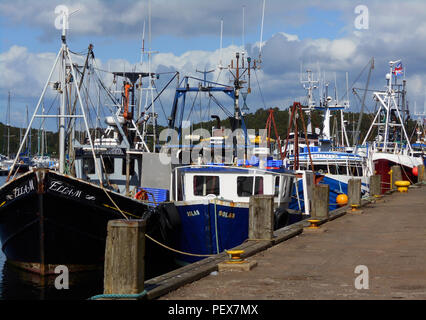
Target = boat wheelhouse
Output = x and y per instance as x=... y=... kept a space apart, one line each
x=213 y=204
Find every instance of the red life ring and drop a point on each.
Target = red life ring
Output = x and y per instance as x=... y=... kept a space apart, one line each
x=141 y=195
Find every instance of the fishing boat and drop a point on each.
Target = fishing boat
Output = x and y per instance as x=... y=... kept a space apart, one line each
x=213 y=204
x=59 y=217
x=391 y=145
x=212 y=190
x=317 y=149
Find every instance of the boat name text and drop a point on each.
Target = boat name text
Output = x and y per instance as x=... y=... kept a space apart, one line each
x=19 y=191
x=58 y=186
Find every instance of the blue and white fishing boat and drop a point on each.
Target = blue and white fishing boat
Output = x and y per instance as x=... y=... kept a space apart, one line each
x=212 y=194
x=213 y=203
x=335 y=164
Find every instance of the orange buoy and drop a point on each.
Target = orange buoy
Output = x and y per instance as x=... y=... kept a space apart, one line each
x=415 y=171
x=342 y=200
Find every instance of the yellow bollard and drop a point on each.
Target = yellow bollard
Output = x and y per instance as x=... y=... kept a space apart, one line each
x=355 y=209
x=235 y=256
x=314 y=224
x=402 y=185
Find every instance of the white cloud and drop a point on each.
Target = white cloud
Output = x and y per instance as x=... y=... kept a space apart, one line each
x=24 y=72
x=398 y=32
x=342 y=49
x=290 y=37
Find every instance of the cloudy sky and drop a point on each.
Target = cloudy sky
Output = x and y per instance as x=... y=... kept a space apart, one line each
x=186 y=34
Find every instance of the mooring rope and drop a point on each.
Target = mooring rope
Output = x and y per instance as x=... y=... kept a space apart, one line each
x=178 y=251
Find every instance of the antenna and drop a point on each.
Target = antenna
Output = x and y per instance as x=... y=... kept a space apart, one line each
x=143 y=41
x=244 y=27
x=261 y=31
x=335 y=89
x=320 y=82
x=221 y=42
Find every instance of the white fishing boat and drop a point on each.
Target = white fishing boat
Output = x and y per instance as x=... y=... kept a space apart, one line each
x=391 y=145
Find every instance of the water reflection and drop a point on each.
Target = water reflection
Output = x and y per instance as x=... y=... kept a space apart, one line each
x=17 y=284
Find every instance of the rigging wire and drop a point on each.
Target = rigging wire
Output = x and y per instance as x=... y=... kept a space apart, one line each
x=192 y=107
x=227 y=113
x=260 y=90
x=161 y=104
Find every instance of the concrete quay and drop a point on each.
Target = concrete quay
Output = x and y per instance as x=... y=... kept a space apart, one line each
x=388 y=238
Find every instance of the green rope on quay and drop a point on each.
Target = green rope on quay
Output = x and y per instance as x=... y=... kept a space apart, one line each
x=118 y=296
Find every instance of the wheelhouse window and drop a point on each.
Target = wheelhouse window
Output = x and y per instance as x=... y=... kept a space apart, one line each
x=88 y=166
x=356 y=171
x=205 y=185
x=333 y=169
x=108 y=164
x=322 y=168
x=245 y=186
x=131 y=167
x=342 y=169
x=277 y=186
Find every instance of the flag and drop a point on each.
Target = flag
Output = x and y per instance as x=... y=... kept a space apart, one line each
x=398 y=69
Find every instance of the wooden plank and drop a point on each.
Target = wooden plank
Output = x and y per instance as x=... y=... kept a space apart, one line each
x=283 y=235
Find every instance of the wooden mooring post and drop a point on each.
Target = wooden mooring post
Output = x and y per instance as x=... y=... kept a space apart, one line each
x=396 y=175
x=421 y=174
x=375 y=187
x=354 y=192
x=320 y=203
x=125 y=257
x=261 y=217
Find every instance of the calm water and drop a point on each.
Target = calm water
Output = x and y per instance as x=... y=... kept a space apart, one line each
x=16 y=284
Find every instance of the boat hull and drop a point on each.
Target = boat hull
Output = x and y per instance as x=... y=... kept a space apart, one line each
x=209 y=227
x=212 y=226
x=338 y=184
x=48 y=219
x=382 y=166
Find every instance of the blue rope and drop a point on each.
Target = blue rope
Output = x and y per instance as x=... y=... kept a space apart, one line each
x=118 y=296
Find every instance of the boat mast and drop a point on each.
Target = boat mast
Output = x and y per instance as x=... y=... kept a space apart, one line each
x=62 y=107
x=8 y=125
x=390 y=107
x=346 y=104
x=28 y=142
x=65 y=54
x=309 y=85
x=43 y=133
